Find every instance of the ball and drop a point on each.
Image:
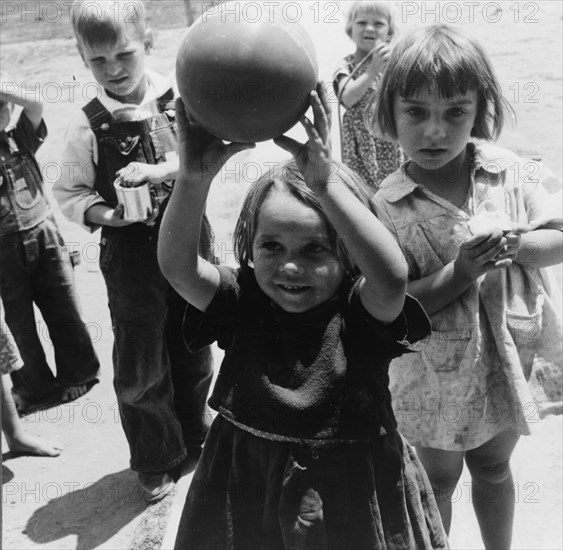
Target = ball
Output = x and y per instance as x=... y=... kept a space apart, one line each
x=245 y=73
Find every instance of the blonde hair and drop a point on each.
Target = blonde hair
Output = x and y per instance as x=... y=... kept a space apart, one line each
x=288 y=177
x=374 y=7
x=449 y=62
x=102 y=22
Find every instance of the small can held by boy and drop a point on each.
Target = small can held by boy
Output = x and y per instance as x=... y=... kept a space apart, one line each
x=136 y=201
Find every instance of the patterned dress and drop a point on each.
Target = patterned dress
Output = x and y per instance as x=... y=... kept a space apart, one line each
x=372 y=157
x=10 y=359
x=494 y=361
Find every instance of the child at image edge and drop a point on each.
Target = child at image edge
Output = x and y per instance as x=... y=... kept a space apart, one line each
x=371 y=26
x=18 y=439
x=129 y=131
x=304 y=453
x=477 y=225
x=35 y=267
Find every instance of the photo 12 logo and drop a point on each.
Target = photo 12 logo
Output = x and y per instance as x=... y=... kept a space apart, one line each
x=57 y=11
x=469 y=12
x=271 y=11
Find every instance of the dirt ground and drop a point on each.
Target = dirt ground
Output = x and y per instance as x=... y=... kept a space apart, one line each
x=88 y=497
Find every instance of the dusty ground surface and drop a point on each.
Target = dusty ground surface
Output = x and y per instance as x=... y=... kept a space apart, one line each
x=88 y=497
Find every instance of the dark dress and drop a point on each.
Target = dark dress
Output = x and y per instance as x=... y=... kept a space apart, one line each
x=304 y=453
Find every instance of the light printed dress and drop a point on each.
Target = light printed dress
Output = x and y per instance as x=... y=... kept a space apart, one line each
x=10 y=359
x=371 y=157
x=494 y=360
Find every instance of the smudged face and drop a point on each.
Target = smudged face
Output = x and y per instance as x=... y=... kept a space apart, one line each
x=120 y=67
x=294 y=262
x=434 y=130
x=367 y=28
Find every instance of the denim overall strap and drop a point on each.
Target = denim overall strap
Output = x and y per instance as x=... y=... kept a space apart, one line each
x=149 y=141
x=22 y=201
x=97 y=114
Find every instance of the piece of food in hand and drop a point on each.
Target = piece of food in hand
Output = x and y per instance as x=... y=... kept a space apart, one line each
x=487 y=222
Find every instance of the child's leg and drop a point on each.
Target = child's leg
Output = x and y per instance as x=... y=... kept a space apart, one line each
x=34 y=380
x=493 y=488
x=137 y=301
x=19 y=441
x=55 y=295
x=444 y=470
x=192 y=374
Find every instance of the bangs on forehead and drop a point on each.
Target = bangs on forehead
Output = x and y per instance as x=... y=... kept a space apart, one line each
x=446 y=63
x=287 y=177
x=444 y=73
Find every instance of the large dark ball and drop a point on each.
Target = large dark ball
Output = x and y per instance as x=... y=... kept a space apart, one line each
x=246 y=74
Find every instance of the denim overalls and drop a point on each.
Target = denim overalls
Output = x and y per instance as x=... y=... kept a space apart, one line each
x=35 y=268
x=161 y=388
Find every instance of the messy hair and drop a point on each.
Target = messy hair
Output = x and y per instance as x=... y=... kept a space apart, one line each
x=385 y=9
x=449 y=63
x=98 y=23
x=288 y=177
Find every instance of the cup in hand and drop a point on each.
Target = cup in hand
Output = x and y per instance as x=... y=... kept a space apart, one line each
x=136 y=201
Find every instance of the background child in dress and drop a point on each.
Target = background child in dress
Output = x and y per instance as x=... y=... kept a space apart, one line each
x=477 y=225
x=372 y=26
x=35 y=268
x=128 y=131
x=304 y=451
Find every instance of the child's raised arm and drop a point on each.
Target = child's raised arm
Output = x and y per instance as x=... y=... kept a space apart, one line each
x=350 y=91
x=201 y=158
x=12 y=92
x=370 y=245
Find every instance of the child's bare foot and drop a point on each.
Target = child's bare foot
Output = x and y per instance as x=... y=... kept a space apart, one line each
x=27 y=443
x=70 y=393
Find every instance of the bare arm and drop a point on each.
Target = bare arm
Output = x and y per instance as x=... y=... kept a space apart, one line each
x=475 y=257
x=371 y=247
x=13 y=92
x=137 y=173
x=354 y=89
x=369 y=243
x=540 y=248
x=201 y=158
x=102 y=214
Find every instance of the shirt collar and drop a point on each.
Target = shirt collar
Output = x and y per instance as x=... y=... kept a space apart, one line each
x=157 y=86
x=398 y=185
x=486 y=157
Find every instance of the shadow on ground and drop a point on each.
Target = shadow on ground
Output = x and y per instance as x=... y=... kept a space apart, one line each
x=93 y=514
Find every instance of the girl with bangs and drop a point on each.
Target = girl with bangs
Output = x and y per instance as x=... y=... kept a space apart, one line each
x=478 y=226
x=304 y=451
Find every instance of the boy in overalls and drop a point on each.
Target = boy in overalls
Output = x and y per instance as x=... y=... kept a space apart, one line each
x=128 y=131
x=35 y=266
